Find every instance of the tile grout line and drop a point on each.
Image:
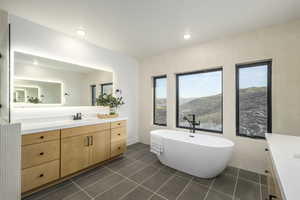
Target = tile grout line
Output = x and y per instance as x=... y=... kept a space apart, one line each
x=112 y=186
x=162 y=185
x=209 y=188
x=84 y=191
x=138 y=184
x=134 y=161
x=260 y=187
x=98 y=180
x=236 y=183
x=185 y=188
x=250 y=181
x=41 y=197
x=147 y=165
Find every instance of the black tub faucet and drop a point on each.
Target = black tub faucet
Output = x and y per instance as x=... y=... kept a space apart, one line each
x=192 y=122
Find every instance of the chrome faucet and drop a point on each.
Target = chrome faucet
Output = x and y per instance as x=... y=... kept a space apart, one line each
x=192 y=122
x=78 y=116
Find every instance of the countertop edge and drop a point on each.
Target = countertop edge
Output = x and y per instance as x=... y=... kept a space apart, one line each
x=72 y=125
x=283 y=189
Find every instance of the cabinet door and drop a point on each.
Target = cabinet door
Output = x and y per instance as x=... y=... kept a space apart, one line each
x=100 y=147
x=74 y=154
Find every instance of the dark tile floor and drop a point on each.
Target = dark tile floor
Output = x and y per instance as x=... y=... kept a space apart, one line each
x=138 y=175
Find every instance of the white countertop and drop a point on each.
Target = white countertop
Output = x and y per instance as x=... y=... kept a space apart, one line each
x=285 y=152
x=28 y=128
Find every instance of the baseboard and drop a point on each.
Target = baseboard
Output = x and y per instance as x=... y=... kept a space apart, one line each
x=131 y=141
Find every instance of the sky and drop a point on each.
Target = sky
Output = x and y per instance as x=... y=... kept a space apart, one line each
x=208 y=84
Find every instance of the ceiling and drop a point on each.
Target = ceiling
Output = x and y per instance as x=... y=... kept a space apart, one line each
x=143 y=28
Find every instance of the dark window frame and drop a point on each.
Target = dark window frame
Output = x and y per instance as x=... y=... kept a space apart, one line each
x=222 y=98
x=269 y=94
x=105 y=84
x=93 y=95
x=154 y=98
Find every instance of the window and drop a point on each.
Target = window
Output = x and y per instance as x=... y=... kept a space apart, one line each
x=253 y=99
x=106 y=88
x=200 y=93
x=160 y=100
x=93 y=95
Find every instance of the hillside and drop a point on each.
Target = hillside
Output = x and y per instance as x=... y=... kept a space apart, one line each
x=253 y=113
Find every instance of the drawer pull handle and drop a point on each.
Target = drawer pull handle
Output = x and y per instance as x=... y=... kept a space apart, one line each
x=119 y=124
x=42 y=175
x=266 y=171
x=42 y=153
x=266 y=149
x=119 y=133
x=42 y=137
x=119 y=148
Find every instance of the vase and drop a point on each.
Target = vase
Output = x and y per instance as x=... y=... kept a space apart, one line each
x=112 y=110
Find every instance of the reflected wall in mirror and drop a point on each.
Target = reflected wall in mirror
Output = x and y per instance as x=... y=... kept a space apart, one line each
x=42 y=81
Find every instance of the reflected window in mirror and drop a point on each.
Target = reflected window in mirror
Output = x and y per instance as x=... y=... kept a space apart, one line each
x=106 y=88
x=93 y=94
x=29 y=91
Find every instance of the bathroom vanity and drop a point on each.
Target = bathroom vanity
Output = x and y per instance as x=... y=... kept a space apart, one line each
x=283 y=155
x=46 y=93
x=67 y=148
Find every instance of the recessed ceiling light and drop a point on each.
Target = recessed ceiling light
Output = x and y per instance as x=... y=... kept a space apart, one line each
x=81 y=32
x=187 y=36
x=35 y=62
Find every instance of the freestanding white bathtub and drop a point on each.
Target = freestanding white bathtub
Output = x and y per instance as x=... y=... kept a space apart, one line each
x=200 y=155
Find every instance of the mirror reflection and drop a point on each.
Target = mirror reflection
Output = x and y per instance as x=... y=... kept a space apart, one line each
x=42 y=81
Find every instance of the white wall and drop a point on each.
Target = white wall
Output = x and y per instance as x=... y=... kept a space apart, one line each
x=38 y=40
x=280 y=43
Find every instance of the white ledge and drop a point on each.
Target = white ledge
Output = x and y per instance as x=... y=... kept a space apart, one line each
x=29 y=128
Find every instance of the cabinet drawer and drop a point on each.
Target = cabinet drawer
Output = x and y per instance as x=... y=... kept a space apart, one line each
x=36 y=154
x=39 y=175
x=117 y=148
x=40 y=137
x=118 y=134
x=118 y=124
x=82 y=130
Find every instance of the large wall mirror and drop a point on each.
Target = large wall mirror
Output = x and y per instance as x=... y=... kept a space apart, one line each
x=44 y=82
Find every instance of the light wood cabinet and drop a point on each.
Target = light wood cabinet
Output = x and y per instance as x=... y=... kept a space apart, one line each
x=272 y=183
x=74 y=154
x=100 y=147
x=40 y=137
x=52 y=155
x=82 y=147
x=118 y=138
x=39 y=175
x=40 y=159
x=118 y=148
x=36 y=154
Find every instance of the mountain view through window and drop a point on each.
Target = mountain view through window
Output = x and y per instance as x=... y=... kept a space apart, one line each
x=200 y=93
x=160 y=100
x=253 y=100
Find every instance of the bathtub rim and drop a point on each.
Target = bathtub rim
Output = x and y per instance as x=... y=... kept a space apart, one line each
x=229 y=143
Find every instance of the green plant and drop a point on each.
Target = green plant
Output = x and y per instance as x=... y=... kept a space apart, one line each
x=34 y=100
x=110 y=101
